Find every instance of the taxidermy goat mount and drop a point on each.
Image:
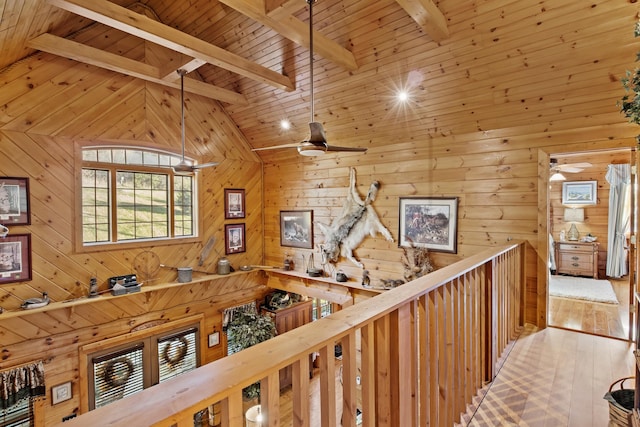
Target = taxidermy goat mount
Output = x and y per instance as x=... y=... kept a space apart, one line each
x=357 y=219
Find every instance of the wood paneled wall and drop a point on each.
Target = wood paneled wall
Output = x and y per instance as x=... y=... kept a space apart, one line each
x=50 y=104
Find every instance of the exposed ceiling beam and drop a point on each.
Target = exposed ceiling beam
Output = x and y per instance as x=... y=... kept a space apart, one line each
x=295 y=30
x=278 y=9
x=141 y=26
x=89 y=55
x=428 y=16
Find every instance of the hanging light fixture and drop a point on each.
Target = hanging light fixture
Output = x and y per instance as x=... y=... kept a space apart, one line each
x=557 y=177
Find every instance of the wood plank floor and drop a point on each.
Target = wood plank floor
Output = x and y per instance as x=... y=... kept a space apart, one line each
x=550 y=378
x=555 y=377
x=611 y=320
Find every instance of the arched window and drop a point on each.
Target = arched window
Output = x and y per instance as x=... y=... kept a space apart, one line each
x=133 y=194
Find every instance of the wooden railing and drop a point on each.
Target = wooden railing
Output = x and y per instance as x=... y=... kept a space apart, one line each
x=423 y=351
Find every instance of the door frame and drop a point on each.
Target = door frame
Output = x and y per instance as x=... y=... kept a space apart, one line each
x=542 y=265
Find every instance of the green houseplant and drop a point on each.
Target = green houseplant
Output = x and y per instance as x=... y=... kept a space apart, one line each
x=630 y=102
x=246 y=330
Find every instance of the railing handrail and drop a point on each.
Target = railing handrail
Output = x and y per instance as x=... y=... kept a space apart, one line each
x=210 y=383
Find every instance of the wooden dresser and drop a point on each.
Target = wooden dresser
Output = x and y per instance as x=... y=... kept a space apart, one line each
x=577 y=258
x=286 y=319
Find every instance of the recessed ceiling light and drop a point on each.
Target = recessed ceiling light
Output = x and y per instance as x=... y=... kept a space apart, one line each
x=403 y=96
x=284 y=124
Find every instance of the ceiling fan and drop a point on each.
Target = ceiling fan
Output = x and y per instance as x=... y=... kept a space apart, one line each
x=184 y=166
x=557 y=169
x=317 y=143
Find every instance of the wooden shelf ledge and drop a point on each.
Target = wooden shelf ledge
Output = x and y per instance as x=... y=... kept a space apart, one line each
x=71 y=303
x=342 y=293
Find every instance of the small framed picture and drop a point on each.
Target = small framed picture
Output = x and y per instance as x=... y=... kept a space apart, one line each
x=429 y=222
x=61 y=392
x=15 y=258
x=214 y=339
x=296 y=229
x=14 y=201
x=580 y=193
x=233 y=203
x=234 y=238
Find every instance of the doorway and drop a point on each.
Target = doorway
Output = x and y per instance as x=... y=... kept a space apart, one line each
x=590 y=222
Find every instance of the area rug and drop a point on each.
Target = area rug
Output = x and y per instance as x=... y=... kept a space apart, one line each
x=582 y=288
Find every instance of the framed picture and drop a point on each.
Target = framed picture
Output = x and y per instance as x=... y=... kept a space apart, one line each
x=233 y=203
x=61 y=392
x=214 y=339
x=234 y=238
x=15 y=258
x=580 y=193
x=429 y=222
x=296 y=229
x=14 y=201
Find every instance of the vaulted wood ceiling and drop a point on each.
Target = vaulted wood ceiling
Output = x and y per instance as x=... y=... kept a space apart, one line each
x=465 y=63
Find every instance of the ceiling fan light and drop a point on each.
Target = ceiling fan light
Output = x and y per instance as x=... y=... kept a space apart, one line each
x=310 y=151
x=557 y=177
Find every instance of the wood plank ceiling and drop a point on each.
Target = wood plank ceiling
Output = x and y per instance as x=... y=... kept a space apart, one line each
x=252 y=55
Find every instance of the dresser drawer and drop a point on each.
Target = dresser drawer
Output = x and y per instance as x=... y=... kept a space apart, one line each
x=578 y=259
x=575 y=261
x=573 y=247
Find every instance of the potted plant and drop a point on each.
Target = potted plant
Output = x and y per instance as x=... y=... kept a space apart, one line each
x=246 y=330
x=630 y=102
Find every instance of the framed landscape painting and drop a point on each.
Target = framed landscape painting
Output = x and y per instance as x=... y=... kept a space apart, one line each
x=580 y=193
x=429 y=222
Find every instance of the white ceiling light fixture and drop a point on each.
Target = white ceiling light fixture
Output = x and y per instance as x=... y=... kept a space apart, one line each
x=557 y=177
x=317 y=143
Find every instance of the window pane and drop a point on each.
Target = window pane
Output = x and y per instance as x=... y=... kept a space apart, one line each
x=104 y=156
x=134 y=157
x=118 y=377
x=150 y=158
x=89 y=155
x=17 y=415
x=177 y=355
x=118 y=156
x=95 y=205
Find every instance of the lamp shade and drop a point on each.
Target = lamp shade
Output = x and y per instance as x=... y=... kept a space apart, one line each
x=574 y=215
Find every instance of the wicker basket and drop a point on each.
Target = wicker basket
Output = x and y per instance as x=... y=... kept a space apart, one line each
x=620 y=403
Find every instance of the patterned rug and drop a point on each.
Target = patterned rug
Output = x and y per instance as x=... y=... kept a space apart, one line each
x=582 y=288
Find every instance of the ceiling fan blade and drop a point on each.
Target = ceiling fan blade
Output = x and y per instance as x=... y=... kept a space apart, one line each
x=276 y=147
x=571 y=169
x=205 y=165
x=353 y=149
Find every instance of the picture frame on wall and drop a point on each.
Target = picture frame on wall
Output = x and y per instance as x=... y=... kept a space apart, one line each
x=14 y=201
x=429 y=222
x=296 y=229
x=61 y=392
x=234 y=203
x=15 y=258
x=580 y=193
x=234 y=238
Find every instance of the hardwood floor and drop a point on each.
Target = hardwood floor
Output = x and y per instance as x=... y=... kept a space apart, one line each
x=610 y=320
x=549 y=378
x=555 y=377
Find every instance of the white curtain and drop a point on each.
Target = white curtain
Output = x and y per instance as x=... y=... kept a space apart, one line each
x=619 y=178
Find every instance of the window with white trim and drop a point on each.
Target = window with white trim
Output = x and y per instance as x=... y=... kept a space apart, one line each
x=133 y=194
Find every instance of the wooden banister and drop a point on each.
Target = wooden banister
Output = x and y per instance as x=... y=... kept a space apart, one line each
x=425 y=348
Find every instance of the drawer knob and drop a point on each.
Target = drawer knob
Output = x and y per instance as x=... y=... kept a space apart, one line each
x=576 y=264
x=575 y=258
